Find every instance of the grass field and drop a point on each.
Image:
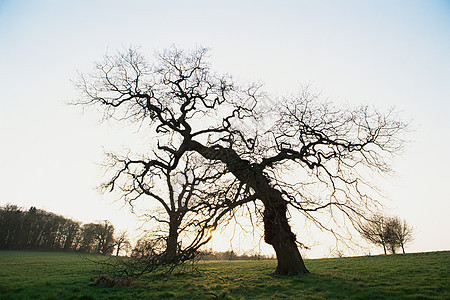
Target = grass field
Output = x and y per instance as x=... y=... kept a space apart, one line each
x=43 y=275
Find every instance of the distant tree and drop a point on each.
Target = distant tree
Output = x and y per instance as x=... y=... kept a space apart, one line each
x=374 y=231
x=398 y=233
x=148 y=247
x=71 y=231
x=191 y=200
x=104 y=236
x=97 y=238
x=11 y=225
x=230 y=255
x=299 y=153
x=87 y=238
x=122 y=243
x=389 y=232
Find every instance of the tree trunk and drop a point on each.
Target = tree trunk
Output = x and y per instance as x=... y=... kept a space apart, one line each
x=172 y=239
x=392 y=248
x=277 y=232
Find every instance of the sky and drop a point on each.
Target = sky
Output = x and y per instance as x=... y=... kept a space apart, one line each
x=381 y=53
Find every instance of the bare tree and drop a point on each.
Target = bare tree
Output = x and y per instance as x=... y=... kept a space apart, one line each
x=298 y=152
x=398 y=233
x=388 y=232
x=122 y=243
x=192 y=200
x=97 y=238
x=374 y=231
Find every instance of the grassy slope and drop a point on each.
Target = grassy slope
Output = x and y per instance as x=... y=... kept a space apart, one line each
x=42 y=275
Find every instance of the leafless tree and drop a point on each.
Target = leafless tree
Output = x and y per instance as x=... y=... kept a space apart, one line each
x=398 y=233
x=388 y=232
x=296 y=152
x=122 y=243
x=374 y=231
x=192 y=199
x=97 y=238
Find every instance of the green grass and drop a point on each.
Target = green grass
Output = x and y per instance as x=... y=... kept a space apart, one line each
x=43 y=275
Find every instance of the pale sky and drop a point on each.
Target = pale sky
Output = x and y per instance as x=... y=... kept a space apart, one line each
x=383 y=53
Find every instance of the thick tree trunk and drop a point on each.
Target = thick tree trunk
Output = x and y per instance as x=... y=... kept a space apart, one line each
x=277 y=233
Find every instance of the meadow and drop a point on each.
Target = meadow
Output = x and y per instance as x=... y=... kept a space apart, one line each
x=45 y=275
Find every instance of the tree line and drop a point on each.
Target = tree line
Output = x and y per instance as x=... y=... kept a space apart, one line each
x=37 y=229
x=231 y=255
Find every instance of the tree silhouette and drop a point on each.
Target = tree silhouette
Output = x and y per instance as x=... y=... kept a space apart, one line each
x=192 y=199
x=97 y=238
x=398 y=233
x=389 y=232
x=374 y=231
x=122 y=243
x=296 y=152
x=36 y=229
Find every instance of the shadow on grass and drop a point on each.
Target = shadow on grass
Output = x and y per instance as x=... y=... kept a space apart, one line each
x=26 y=275
x=310 y=286
x=338 y=286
